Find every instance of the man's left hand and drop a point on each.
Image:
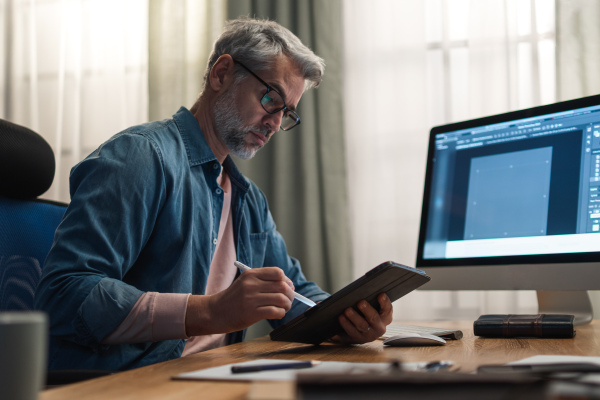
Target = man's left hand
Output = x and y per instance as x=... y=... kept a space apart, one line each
x=369 y=324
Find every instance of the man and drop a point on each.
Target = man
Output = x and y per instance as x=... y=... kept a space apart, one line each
x=141 y=270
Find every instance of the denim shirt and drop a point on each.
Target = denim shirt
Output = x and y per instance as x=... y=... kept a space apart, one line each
x=144 y=216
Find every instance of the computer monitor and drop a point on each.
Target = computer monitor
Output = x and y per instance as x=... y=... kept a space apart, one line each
x=512 y=202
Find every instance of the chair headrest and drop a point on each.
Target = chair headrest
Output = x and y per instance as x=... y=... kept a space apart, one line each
x=26 y=162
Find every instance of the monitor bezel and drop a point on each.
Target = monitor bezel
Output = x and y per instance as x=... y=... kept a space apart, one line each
x=558 y=259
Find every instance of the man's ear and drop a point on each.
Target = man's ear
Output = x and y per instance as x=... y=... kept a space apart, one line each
x=222 y=73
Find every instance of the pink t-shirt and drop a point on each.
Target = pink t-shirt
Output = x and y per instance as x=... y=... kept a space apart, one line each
x=161 y=316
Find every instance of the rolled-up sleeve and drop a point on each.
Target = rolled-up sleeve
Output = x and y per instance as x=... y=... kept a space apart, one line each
x=116 y=193
x=155 y=316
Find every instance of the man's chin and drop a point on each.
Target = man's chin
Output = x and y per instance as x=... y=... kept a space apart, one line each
x=246 y=153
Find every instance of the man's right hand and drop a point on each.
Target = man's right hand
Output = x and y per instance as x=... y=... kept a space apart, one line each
x=257 y=294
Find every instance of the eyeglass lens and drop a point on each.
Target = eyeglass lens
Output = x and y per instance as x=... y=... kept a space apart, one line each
x=272 y=103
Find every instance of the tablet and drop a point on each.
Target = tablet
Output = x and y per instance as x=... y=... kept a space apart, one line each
x=320 y=322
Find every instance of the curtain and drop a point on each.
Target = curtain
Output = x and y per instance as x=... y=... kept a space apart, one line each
x=74 y=71
x=578 y=58
x=413 y=65
x=303 y=171
x=180 y=39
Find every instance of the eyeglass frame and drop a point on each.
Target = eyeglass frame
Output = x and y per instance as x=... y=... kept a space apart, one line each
x=286 y=110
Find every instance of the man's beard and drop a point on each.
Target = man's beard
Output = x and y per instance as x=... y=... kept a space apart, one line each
x=231 y=129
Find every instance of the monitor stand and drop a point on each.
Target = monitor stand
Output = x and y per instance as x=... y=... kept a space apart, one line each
x=574 y=302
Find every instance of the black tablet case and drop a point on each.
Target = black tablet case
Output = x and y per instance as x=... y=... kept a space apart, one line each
x=320 y=322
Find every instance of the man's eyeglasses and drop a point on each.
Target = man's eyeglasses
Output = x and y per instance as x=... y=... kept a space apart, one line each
x=272 y=102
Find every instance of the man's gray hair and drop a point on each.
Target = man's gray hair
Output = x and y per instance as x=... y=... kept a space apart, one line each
x=256 y=43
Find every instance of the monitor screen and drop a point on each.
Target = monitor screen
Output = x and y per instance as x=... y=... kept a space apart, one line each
x=512 y=201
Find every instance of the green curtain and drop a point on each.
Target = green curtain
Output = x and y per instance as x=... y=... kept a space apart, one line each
x=303 y=171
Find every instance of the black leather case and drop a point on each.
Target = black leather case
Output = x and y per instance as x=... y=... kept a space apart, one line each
x=320 y=322
x=515 y=325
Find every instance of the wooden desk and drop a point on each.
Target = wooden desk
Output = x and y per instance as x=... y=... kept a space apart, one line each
x=154 y=382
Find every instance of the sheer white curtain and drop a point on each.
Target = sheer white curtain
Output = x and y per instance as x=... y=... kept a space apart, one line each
x=75 y=71
x=181 y=33
x=411 y=65
x=578 y=56
x=578 y=48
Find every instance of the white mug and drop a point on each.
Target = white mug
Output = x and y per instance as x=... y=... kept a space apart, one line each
x=23 y=354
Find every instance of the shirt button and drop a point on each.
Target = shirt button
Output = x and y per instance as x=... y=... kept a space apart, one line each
x=218 y=191
x=215 y=241
x=215 y=165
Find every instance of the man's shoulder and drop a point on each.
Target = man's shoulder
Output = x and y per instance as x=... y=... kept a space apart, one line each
x=181 y=120
x=162 y=136
x=154 y=130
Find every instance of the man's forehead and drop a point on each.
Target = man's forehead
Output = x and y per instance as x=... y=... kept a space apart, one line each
x=285 y=76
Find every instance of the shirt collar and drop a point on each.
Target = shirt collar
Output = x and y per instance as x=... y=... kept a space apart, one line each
x=198 y=150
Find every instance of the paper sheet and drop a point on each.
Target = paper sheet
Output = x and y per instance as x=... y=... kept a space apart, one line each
x=224 y=372
x=557 y=359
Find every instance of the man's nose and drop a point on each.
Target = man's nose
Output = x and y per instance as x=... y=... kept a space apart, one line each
x=273 y=121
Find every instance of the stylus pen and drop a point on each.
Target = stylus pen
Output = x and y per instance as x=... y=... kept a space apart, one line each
x=238 y=369
x=299 y=297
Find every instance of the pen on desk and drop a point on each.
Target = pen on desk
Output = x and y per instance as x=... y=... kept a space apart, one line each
x=238 y=369
x=242 y=267
x=438 y=366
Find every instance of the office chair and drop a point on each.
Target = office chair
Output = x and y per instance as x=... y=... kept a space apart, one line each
x=27 y=224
